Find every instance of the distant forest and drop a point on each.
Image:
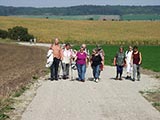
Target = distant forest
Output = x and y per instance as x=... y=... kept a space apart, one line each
x=80 y=10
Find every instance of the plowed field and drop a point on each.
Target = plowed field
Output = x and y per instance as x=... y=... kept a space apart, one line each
x=18 y=65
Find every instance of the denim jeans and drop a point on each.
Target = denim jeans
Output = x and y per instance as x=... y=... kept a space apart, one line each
x=81 y=71
x=54 y=68
x=96 y=72
x=119 y=70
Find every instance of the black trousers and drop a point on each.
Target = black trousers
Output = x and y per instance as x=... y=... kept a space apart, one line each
x=54 y=68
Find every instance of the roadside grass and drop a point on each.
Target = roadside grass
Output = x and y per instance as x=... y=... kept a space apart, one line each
x=7 y=103
x=20 y=91
x=7 y=41
x=5 y=108
x=152 y=96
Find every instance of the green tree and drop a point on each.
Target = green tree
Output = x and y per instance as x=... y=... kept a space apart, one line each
x=19 y=32
x=3 y=34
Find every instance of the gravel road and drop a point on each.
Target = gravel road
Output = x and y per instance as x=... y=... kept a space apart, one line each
x=107 y=100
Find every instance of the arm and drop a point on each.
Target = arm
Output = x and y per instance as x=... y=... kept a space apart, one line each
x=140 y=56
x=131 y=62
x=61 y=54
x=114 y=61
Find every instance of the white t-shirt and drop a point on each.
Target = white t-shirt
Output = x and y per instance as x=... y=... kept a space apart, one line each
x=128 y=56
x=67 y=54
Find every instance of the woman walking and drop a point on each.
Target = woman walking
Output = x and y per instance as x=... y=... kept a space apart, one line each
x=96 y=60
x=66 y=60
x=119 y=62
x=136 y=60
x=128 y=55
x=81 y=58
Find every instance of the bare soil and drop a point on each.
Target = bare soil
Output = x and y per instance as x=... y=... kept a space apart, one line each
x=18 y=65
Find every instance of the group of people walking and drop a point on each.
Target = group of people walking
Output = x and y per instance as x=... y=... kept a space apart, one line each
x=131 y=59
x=79 y=60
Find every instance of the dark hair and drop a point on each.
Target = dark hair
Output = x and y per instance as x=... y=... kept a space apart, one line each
x=135 y=47
x=67 y=44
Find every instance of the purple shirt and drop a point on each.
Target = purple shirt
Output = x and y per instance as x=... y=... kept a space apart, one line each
x=81 y=58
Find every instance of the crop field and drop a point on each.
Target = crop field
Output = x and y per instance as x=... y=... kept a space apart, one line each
x=91 y=32
x=19 y=65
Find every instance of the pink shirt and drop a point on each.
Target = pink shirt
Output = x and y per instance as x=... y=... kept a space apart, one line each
x=81 y=58
x=57 y=51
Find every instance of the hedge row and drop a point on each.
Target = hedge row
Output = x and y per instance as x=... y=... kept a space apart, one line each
x=16 y=33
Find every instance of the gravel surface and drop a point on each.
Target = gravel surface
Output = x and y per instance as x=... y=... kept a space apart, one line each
x=106 y=100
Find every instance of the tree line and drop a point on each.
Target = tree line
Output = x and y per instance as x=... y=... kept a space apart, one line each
x=80 y=10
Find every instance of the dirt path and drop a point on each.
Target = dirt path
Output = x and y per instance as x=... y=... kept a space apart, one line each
x=106 y=100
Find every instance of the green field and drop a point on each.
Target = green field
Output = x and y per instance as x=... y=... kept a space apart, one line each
x=150 y=55
x=140 y=17
x=73 y=17
x=95 y=17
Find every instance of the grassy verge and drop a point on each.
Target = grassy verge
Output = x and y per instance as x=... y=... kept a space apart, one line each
x=6 y=104
x=5 y=108
x=152 y=96
x=6 y=41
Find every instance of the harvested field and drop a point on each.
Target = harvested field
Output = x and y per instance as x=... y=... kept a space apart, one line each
x=18 y=65
x=90 y=32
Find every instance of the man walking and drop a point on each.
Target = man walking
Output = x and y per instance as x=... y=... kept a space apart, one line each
x=57 y=53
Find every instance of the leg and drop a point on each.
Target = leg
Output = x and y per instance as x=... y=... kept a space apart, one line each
x=138 y=72
x=117 y=71
x=52 y=71
x=97 y=72
x=130 y=71
x=79 y=71
x=93 y=67
x=67 y=70
x=121 y=72
x=64 y=69
x=134 y=71
x=83 y=72
x=56 y=67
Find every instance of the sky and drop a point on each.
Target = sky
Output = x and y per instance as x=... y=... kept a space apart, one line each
x=66 y=3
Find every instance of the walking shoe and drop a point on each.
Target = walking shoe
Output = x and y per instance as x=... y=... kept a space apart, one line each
x=116 y=78
x=96 y=80
x=127 y=77
x=83 y=80
x=120 y=79
x=133 y=79
x=138 y=79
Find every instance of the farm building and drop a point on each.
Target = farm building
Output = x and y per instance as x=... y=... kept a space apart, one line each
x=110 y=18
